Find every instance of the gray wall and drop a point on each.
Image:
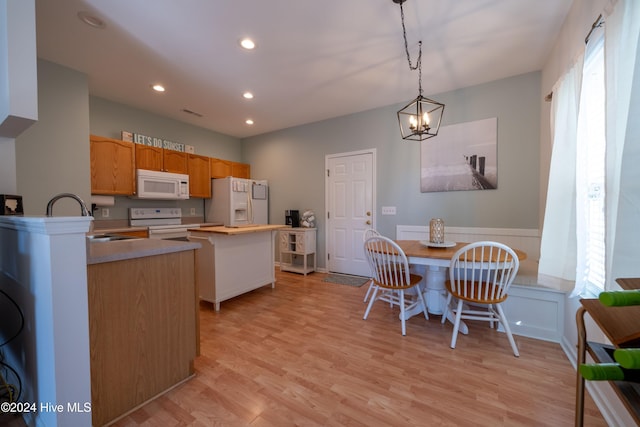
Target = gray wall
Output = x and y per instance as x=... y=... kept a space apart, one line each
x=8 y=183
x=52 y=156
x=109 y=119
x=293 y=160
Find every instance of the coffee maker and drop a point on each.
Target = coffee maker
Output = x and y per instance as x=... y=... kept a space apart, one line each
x=292 y=218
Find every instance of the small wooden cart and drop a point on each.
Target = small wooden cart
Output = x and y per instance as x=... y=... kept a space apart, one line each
x=621 y=325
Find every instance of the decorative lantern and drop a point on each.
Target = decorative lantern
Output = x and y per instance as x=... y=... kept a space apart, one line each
x=436 y=230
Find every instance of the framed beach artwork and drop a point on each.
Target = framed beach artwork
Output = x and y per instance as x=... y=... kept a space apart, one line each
x=462 y=157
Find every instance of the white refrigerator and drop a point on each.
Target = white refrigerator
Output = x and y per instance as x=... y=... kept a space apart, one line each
x=238 y=202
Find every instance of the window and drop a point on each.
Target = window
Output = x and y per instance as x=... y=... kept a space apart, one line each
x=588 y=237
x=590 y=170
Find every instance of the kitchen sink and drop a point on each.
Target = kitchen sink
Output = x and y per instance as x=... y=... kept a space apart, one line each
x=109 y=237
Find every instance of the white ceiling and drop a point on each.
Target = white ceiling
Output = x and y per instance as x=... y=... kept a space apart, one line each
x=314 y=59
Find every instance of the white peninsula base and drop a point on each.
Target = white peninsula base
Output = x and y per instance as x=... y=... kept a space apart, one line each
x=233 y=261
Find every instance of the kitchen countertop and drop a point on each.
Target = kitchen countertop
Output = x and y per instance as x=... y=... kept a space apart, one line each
x=128 y=228
x=100 y=252
x=238 y=230
x=115 y=230
x=122 y=226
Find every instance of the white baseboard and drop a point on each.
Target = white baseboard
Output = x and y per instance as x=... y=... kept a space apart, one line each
x=276 y=265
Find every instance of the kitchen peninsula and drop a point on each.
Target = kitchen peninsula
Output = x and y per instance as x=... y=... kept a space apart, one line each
x=233 y=260
x=143 y=328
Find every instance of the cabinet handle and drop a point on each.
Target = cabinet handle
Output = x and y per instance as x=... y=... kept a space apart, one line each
x=368 y=222
x=368 y=213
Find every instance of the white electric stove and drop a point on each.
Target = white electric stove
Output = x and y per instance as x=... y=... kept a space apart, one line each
x=163 y=223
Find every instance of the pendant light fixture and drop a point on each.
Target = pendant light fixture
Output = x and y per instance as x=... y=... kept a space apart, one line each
x=420 y=119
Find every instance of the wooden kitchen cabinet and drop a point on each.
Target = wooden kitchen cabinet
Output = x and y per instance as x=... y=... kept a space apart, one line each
x=143 y=234
x=240 y=170
x=142 y=330
x=175 y=161
x=148 y=157
x=199 y=176
x=223 y=168
x=112 y=166
x=220 y=168
x=160 y=159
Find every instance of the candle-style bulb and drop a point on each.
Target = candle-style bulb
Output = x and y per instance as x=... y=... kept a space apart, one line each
x=413 y=123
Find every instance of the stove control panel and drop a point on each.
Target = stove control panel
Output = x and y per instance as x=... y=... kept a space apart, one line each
x=154 y=213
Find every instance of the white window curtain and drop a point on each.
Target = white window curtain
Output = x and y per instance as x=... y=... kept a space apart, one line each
x=558 y=247
x=557 y=267
x=622 y=64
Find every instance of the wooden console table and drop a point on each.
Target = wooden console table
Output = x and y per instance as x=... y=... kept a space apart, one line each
x=621 y=325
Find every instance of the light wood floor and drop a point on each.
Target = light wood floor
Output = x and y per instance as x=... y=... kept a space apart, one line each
x=300 y=354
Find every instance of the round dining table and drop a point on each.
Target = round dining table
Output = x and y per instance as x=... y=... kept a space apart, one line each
x=435 y=259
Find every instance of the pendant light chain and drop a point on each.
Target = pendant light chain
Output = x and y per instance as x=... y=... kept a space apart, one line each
x=420 y=119
x=418 y=65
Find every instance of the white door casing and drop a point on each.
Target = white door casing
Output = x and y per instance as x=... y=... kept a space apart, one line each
x=350 y=202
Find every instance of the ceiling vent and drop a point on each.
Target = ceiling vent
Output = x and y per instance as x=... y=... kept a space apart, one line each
x=193 y=113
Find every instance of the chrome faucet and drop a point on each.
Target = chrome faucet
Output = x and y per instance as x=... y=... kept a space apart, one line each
x=83 y=207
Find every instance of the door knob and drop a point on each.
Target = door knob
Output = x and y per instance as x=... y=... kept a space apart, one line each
x=368 y=222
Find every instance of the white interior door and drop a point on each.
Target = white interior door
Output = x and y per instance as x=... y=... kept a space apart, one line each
x=350 y=210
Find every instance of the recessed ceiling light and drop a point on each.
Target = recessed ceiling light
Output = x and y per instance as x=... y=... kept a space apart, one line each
x=249 y=122
x=91 y=20
x=158 y=88
x=247 y=44
x=248 y=95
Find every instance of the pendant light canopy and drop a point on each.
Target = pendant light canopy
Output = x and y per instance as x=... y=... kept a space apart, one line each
x=420 y=119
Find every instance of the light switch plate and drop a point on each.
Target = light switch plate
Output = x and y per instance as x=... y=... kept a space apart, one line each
x=388 y=210
x=193 y=211
x=105 y=212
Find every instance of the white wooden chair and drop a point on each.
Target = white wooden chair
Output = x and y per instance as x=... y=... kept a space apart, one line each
x=370 y=232
x=391 y=277
x=480 y=275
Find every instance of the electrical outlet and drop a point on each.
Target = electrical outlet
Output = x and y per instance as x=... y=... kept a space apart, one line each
x=105 y=212
x=193 y=211
x=388 y=210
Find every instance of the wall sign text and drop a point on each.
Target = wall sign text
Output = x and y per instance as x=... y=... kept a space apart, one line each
x=153 y=141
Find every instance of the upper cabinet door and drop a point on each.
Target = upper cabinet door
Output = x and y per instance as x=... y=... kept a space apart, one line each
x=240 y=170
x=148 y=157
x=160 y=159
x=220 y=168
x=199 y=176
x=175 y=161
x=112 y=166
x=224 y=168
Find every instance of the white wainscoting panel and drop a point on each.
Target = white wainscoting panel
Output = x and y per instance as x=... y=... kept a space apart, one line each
x=525 y=239
x=536 y=312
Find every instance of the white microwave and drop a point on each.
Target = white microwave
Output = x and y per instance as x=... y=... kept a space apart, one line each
x=161 y=185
